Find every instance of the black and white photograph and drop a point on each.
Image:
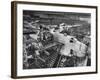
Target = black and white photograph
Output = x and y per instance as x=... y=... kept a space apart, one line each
x=53 y=39
x=56 y=39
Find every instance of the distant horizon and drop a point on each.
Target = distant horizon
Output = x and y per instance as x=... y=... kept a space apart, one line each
x=55 y=18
